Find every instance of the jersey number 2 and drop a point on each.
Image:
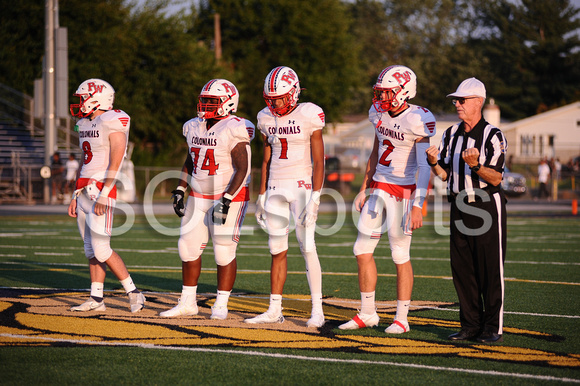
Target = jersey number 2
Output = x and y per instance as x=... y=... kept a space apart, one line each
x=208 y=162
x=388 y=150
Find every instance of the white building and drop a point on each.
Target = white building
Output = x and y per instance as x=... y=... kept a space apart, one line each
x=552 y=134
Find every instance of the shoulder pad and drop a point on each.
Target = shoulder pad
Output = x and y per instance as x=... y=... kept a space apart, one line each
x=187 y=125
x=264 y=112
x=423 y=119
x=116 y=119
x=314 y=112
x=251 y=128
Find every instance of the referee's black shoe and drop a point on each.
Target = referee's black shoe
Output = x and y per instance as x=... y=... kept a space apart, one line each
x=464 y=335
x=489 y=337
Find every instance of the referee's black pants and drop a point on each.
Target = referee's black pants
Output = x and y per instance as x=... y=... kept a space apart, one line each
x=478 y=249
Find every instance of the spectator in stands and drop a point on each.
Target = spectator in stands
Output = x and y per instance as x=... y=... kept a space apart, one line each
x=72 y=167
x=57 y=177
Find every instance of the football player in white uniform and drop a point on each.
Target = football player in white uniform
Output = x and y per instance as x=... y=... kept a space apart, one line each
x=103 y=134
x=398 y=176
x=292 y=178
x=218 y=166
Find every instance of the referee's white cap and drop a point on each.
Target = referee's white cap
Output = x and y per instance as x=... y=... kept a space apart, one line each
x=469 y=87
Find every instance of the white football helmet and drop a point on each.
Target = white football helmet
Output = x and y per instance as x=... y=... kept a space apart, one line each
x=281 y=90
x=94 y=94
x=218 y=99
x=395 y=85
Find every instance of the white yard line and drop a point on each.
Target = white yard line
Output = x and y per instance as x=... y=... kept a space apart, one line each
x=305 y=358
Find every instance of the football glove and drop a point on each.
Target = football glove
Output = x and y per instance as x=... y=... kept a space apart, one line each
x=178 y=204
x=260 y=211
x=310 y=212
x=220 y=210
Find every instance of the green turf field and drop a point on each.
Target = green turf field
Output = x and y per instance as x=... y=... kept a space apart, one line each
x=542 y=310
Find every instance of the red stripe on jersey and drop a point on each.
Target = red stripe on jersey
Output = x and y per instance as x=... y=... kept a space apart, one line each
x=250 y=132
x=124 y=121
x=400 y=191
x=321 y=116
x=430 y=126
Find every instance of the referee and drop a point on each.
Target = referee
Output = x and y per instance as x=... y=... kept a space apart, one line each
x=471 y=159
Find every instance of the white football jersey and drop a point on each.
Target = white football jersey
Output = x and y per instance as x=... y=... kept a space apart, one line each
x=94 y=140
x=211 y=150
x=291 y=156
x=397 y=162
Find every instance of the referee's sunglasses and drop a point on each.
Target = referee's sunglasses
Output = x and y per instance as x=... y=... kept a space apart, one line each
x=461 y=100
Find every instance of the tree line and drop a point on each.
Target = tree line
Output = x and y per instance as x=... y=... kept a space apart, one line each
x=527 y=52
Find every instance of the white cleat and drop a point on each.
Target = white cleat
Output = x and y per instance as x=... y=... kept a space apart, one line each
x=137 y=301
x=266 y=317
x=181 y=309
x=219 y=312
x=90 y=305
x=360 y=321
x=398 y=328
x=316 y=320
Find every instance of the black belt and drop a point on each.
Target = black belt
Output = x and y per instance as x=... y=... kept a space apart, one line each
x=489 y=190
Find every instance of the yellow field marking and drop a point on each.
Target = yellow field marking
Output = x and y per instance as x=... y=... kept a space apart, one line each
x=47 y=319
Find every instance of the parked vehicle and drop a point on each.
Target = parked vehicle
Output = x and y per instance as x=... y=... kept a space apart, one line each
x=514 y=184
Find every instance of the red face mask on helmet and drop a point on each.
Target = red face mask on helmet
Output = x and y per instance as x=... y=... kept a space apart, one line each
x=218 y=99
x=395 y=85
x=94 y=94
x=281 y=90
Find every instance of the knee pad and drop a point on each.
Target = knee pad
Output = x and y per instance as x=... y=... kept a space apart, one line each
x=224 y=254
x=364 y=244
x=400 y=256
x=184 y=251
x=278 y=244
x=102 y=250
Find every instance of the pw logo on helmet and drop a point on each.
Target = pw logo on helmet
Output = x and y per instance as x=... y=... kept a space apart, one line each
x=289 y=78
x=94 y=88
x=402 y=78
x=229 y=89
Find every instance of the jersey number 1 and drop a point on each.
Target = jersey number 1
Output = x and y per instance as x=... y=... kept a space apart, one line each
x=284 y=149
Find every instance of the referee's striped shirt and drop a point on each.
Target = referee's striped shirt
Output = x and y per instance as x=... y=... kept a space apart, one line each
x=490 y=142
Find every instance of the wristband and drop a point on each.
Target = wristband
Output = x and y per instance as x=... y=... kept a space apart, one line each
x=475 y=168
x=315 y=196
x=228 y=196
x=106 y=190
x=430 y=164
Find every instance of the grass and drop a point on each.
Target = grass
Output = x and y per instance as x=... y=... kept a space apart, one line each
x=542 y=297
